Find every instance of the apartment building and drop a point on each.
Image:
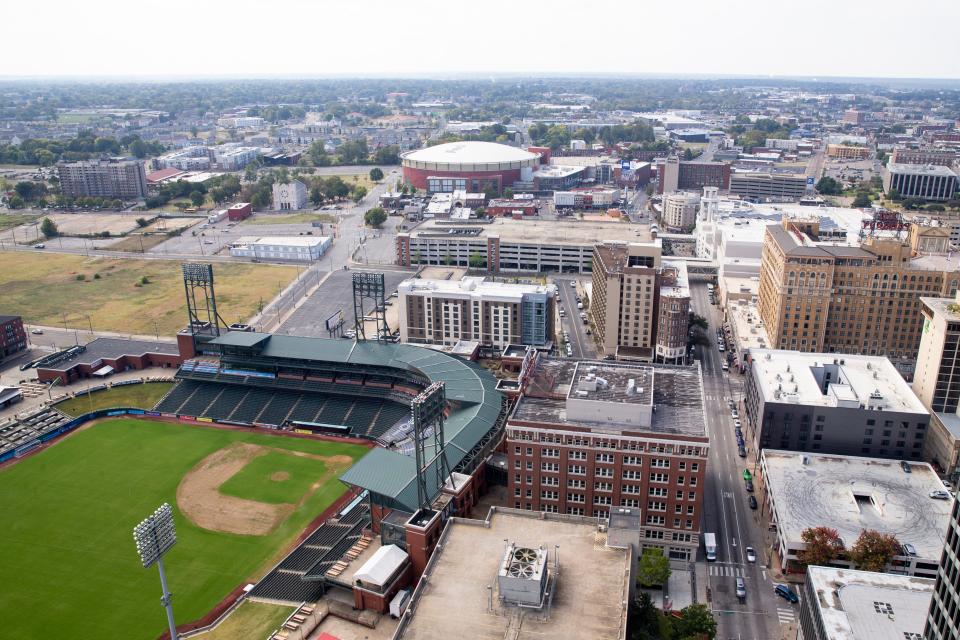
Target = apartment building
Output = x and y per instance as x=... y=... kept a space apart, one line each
x=13 y=338
x=832 y=403
x=865 y=299
x=943 y=619
x=854 y=117
x=584 y=438
x=640 y=305
x=680 y=209
x=677 y=175
x=847 y=152
x=195 y=158
x=123 y=178
x=768 y=187
x=508 y=245
x=492 y=313
x=924 y=181
x=942 y=157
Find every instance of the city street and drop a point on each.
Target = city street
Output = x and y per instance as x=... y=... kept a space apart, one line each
x=726 y=510
x=581 y=344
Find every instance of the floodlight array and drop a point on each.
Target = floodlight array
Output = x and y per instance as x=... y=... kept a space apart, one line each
x=198 y=272
x=155 y=535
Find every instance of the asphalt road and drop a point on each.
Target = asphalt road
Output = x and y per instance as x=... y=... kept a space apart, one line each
x=726 y=511
x=581 y=344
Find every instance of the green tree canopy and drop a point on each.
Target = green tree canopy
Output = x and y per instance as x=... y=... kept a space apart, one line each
x=376 y=174
x=375 y=217
x=49 y=228
x=829 y=187
x=696 y=621
x=653 y=568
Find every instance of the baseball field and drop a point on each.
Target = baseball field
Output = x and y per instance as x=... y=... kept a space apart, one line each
x=67 y=557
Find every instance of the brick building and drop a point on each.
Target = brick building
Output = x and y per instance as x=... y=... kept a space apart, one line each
x=677 y=175
x=13 y=338
x=584 y=438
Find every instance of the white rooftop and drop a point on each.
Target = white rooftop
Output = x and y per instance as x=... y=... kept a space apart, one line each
x=850 y=493
x=921 y=169
x=470 y=153
x=864 y=605
x=382 y=565
x=473 y=287
x=854 y=381
x=284 y=241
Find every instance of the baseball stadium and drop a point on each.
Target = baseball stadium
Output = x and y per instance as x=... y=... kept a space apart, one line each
x=286 y=459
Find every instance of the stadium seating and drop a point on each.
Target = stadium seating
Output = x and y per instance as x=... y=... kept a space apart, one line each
x=229 y=398
x=175 y=398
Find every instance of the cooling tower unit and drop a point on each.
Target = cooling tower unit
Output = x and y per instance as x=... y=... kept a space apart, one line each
x=522 y=578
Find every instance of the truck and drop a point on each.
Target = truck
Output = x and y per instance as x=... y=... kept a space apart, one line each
x=710 y=545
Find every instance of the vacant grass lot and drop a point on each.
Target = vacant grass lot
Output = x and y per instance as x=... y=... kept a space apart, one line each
x=41 y=287
x=290 y=218
x=134 y=396
x=68 y=562
x=10 y=220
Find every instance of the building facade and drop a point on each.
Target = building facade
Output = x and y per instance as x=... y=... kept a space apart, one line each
x=849 y=299
x=847 y=152
x=680 y=209
x=924 y=181
x=943 y=619
x=583 y=439
x=123 y=178
x=295 y=249
x=832 y=403
x=13 y=337
x=474 y=309
x=289 y=197
x=942 y=157
x=678 y=175
x=768 y=187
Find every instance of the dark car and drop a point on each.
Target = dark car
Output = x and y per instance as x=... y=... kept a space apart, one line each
x=742 y=452
x=752 y=501
x=749 y=486
x=786 y=593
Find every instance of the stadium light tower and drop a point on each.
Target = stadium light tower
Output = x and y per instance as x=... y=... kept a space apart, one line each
x=154 y=537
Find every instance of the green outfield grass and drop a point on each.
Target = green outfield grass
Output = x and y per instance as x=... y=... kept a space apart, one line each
x=133 y=396
x=275 y=478
x=67 y=559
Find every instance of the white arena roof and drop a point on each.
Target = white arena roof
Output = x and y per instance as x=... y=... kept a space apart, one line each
x=470 y=153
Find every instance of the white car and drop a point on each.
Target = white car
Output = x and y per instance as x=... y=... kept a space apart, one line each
x=573 y=283
x=940 y=495
x=736 y=424
x=751 y=555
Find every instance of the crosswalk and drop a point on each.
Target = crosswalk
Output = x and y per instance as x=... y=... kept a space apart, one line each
x=786 y=616
x=729 y=571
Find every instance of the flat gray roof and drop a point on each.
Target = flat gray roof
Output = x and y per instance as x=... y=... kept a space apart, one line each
x=559 y=232
x=589 y=600
x=113 y=348
x=850 y=493
x=858 y=605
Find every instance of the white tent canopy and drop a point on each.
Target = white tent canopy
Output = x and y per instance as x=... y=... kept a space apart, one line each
x=381 y=566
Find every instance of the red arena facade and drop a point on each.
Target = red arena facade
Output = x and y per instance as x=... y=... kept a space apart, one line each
x=469 y=166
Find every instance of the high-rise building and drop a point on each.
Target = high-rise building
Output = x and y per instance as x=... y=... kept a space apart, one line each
x=678 y=175
x=492 y=313
x=123 y=178
x=680 y=209
x=640 y=305
x=943 y=157
x=822 y=297
x=924 y=181
x=587 y=437
x=943 y=620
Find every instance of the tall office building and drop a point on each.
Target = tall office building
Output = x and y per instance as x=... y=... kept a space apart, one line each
x=123 y=178
x=821 y=297
x=640 y=305
x=492 y=313
x=943 y=620
x=924 y=181
x=677 y=175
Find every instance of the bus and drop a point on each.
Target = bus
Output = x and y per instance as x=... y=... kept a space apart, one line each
x=710 y=545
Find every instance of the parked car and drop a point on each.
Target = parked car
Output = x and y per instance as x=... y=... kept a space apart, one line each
x=742 y=452
x=734 y=413
x=786 y=593
x=749 y=486
x=737 y=423
x=573 y=283
x=905 y=466
x=751 y=554
x=752 y=501
x=909 y=549
x=940 y=495
x=725 y=367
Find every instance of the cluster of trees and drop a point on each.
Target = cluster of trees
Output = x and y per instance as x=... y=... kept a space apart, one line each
x=646 y=622
x=375 y=217
x=872 y=551
x=274 y=113
x=558 y=136
x=750 y=135
x=86 y=145
x=489 y=133
x=827 y=186
x=322 y=189
x=913 y=204
x=350 y=152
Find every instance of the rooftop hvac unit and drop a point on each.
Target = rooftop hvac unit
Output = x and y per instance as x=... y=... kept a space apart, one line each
x=522 y=578
x=631 y=386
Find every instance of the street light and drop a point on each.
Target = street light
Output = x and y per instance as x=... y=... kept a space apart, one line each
x=154 y=536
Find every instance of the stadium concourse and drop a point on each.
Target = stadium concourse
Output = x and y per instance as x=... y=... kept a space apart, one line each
x=356 y=389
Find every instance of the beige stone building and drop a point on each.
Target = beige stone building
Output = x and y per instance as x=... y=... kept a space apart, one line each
x=640 y=304
x=852 y=299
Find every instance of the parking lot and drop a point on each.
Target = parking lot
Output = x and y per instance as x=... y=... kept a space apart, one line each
x=335 y=294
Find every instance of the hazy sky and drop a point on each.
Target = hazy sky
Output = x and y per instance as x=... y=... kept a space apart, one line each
x=881 y=38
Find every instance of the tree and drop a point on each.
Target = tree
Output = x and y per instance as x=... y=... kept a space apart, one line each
x=387 y=155
x=16 y=202
x=696 y=621
x=375 y=217
x=873 y=550
x=893 y=194
x=861 y=201
x=823 y=545
x=828 y=186
x=142 y=222
x=316 y=196
x=508 y=193
x=653 y=568
x=49 y=228
x=376 y=174
x=194 y=131
x=359 y=193
x=476 y=261
x=139 y=148
x=197 y=198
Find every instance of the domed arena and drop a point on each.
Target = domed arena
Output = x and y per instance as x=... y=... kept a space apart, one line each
x=470 y=166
